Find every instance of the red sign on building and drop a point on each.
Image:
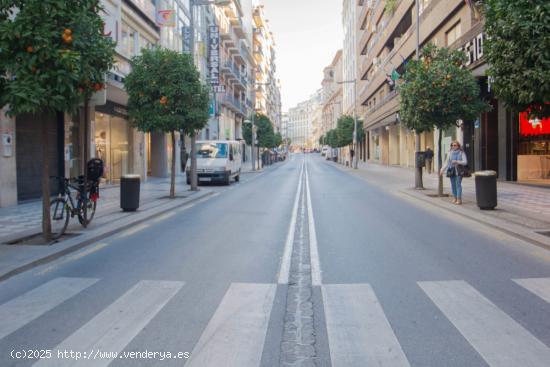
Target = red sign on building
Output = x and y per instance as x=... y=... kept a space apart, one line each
x=533 y=126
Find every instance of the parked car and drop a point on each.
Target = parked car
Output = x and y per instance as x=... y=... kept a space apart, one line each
x=217 y=161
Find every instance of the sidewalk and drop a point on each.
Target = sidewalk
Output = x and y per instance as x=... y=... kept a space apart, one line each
x=522 y=211
x=25 y=220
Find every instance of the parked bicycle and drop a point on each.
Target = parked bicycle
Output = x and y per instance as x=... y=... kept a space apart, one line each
x=76 y=198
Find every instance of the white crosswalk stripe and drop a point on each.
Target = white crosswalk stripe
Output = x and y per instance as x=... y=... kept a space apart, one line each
x=235 y=335
x=114 y=327
x=500 y=340
x=359 y=333
x=20 y=311
x=538 y=286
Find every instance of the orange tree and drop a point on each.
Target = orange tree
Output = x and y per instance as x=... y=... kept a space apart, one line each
x=165 y=95
x=53 y=56
x=517 y=49
x=437 y=92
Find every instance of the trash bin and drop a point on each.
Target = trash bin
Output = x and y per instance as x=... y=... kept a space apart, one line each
x=129 y=192
x=486 y=189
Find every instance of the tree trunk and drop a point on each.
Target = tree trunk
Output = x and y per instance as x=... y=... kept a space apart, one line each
x=173 y=174
x=439 y=164
x=418 y=184
x=194 y=183
x=46 y=223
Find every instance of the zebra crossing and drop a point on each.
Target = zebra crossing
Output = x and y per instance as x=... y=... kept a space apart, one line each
x=358 y=331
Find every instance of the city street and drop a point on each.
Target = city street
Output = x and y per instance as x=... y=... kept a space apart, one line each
x=302 y=265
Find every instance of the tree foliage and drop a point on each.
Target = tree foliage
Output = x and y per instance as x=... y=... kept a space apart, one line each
x=165 y=93
x=344 y=130
x=53 y=54
x=437 y=91
x=517 y=49
x=265 y=134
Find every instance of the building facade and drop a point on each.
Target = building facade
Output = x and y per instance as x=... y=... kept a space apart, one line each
x=268 y=89
x=332 y=94
x=514 y=146
x=133 y=25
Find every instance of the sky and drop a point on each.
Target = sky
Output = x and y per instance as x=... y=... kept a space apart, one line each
x=307 y=35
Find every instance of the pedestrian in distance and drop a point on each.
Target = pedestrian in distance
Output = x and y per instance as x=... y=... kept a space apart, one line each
x=184 y=157
x=429 y=156
x=455 y=168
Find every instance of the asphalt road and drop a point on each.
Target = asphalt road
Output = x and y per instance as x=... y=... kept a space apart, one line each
x=303 y=264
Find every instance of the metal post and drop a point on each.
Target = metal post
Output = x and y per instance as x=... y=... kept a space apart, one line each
x=194 y=179
x=253 y=134
x=355 y=123
x=418 y=171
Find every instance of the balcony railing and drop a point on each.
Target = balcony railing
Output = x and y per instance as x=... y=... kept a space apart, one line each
x=234 y=104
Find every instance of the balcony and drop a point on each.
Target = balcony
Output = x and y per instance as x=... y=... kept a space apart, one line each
x=234 y=75
x=258 y=53
x=234 y=104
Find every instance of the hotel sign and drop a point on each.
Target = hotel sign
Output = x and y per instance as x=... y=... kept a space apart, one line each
x=214 y=54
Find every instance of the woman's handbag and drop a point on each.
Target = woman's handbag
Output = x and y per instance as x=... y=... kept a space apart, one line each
x=463 y=171
x=451 y=171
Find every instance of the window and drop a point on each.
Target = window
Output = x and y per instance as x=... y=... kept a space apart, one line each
x=128 y=40
x=453 y=34
x=423 y=4
x=216 y=150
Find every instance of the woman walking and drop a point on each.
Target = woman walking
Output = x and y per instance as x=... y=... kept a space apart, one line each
x=454 y=168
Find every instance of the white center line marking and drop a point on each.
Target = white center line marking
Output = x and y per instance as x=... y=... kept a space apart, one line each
x=287 y=254
x=316 y=279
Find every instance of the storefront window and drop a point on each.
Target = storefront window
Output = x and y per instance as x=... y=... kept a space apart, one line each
x=112 y=146
x=534 y=150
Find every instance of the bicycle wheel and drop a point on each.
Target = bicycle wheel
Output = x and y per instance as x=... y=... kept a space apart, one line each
x=59 y=217
x=87 y=211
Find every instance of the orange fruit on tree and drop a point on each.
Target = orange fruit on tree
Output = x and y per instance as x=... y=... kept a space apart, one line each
x=163 y=100
x=68 y=31
x=68 y=39
x=30 y=49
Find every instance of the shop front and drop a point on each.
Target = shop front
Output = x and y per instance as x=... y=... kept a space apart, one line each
x=113 y=140
x=533 y=162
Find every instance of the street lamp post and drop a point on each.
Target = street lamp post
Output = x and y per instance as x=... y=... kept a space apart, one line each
x=192 y=4
x=418 y=171
x=354 y=81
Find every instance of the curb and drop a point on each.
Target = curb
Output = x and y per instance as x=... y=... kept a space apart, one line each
x=494 y=224
x=532 y=238
x=86 y=240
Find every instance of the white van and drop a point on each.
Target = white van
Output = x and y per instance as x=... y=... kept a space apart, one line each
x=217 y=161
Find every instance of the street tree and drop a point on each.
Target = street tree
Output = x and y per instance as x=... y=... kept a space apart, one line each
x=277 y=140
x=165 y=95
x=53 y=57
x=437 y=92
x=344 y=130
x=517 y=48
